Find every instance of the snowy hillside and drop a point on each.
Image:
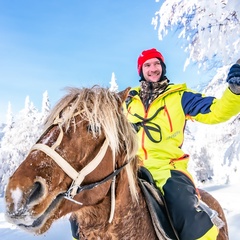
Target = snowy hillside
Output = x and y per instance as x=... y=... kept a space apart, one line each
x=215 y=149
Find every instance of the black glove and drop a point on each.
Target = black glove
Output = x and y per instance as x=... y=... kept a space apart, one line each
x=234 y=74
x=233 y=78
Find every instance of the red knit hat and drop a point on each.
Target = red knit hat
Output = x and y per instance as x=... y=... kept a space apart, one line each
x=146 y=55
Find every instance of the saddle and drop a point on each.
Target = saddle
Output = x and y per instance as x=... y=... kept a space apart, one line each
x=158 y=209
x=156 y=205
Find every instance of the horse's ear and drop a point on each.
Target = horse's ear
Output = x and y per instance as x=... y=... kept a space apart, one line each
x=124 y=94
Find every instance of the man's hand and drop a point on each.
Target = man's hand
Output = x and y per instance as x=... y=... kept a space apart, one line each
x=233 y=78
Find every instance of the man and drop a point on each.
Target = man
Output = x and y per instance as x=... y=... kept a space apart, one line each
x=158 y=110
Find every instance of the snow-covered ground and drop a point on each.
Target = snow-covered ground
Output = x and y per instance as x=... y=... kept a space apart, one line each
x=60 y=230
x=227 y=195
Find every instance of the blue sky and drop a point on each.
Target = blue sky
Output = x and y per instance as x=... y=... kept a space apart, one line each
x=51 y=44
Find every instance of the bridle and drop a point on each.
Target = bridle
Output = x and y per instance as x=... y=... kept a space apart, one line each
x=78 y=177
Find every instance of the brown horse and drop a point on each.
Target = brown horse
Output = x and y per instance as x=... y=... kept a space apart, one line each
x=85 y=163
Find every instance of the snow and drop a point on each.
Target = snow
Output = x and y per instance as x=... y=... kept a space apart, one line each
x=205 y=30
x=60 y=230
x=16 y=196
x=227 y=195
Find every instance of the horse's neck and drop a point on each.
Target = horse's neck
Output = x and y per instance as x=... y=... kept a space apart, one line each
x=101 y=211
x=130 y=219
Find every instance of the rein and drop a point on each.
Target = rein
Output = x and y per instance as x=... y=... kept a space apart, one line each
x=78 y=177
x=93 y=185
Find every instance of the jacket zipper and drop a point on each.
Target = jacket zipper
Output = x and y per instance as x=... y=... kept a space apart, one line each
x=143 y=134
x=169 y=118
x=172 y=161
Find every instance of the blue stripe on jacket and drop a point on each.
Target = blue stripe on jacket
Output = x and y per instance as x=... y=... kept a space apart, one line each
x=195 y=103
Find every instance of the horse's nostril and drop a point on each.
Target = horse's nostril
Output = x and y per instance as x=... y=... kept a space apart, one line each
x=36 y=192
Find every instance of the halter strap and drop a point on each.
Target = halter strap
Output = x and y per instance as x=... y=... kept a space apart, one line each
x=77 y=177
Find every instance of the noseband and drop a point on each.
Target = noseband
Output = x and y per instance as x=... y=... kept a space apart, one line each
x=78 y=177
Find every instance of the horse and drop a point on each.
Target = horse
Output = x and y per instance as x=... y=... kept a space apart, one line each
x=85 y=164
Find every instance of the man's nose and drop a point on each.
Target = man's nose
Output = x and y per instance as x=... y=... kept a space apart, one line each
x=153 y=67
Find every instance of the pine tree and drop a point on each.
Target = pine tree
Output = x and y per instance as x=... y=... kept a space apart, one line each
x=9 y=118
x=113 y=84
x=19 y=136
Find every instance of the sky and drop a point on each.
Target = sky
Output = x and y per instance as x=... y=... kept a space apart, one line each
x=227 y=195
x=50 y=44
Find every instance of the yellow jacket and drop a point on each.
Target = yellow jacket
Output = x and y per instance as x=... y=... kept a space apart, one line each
x=161 y=128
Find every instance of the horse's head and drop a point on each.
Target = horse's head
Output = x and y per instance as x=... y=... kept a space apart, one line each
x=87 y=138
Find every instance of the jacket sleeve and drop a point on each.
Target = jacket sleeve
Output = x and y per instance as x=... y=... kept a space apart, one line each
x=210 y=110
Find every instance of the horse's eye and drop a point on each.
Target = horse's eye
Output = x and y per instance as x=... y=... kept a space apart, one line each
x=94 y=129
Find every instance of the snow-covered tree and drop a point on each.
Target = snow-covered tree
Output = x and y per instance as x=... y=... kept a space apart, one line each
x=18 y=139
x=113 y=83
x=9 y=118
x=46 y=106
x=210 y=29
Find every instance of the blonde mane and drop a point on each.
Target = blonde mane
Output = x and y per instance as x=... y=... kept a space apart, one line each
x=103 y=110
